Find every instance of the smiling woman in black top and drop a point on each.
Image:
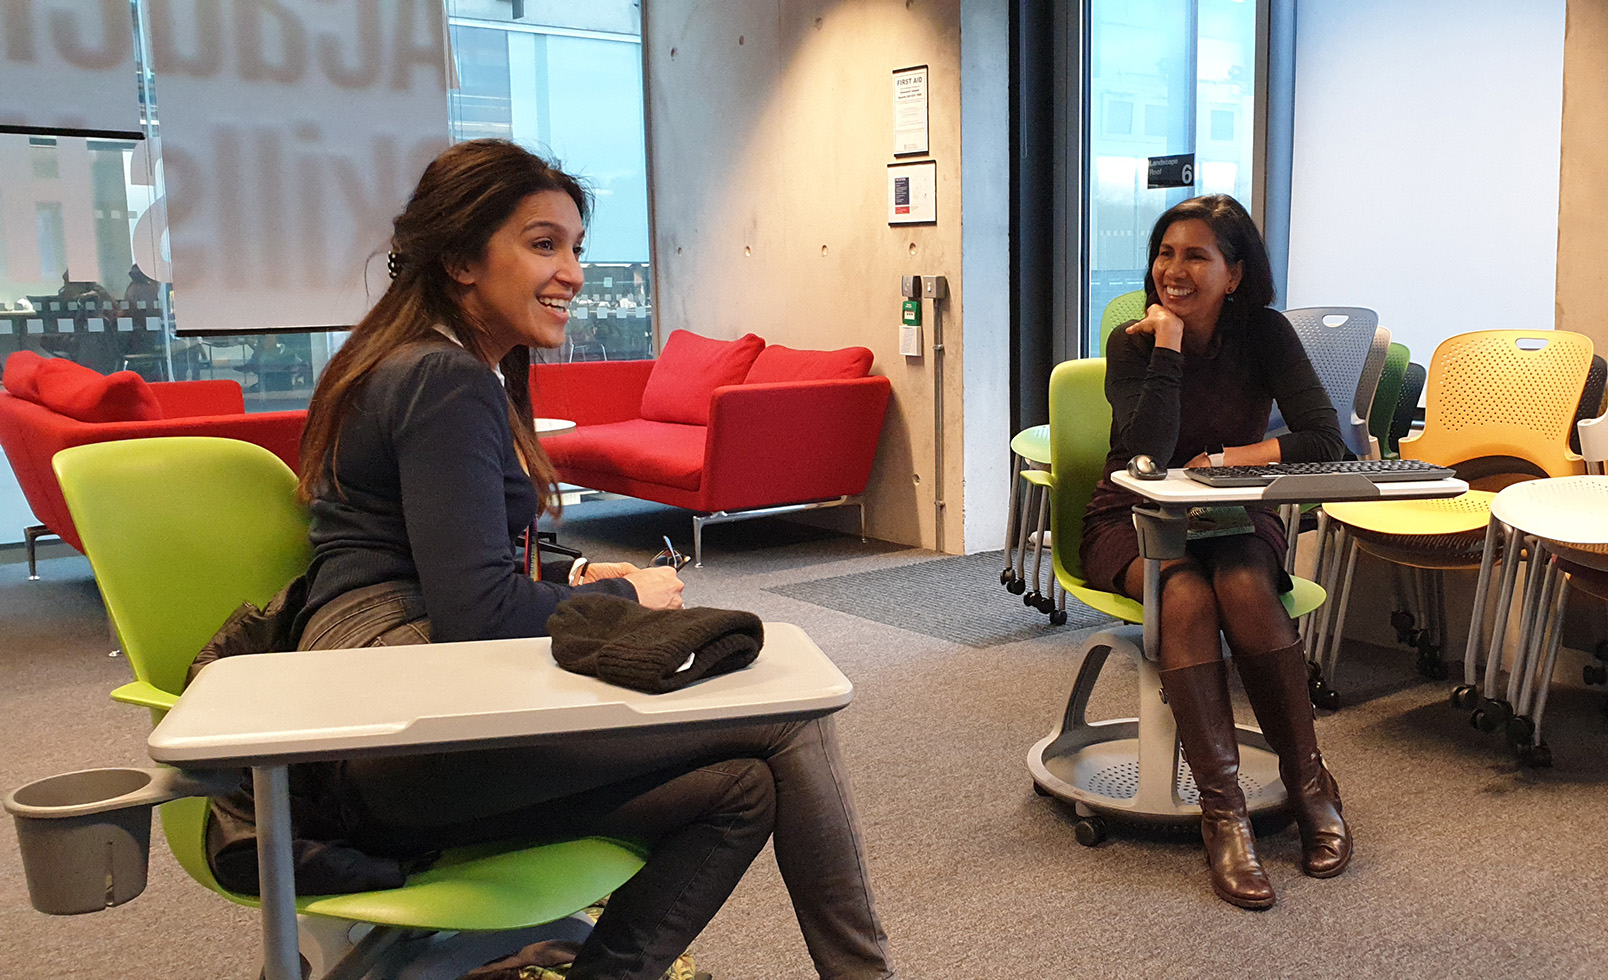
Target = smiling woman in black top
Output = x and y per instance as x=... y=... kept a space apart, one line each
x=1191 y=384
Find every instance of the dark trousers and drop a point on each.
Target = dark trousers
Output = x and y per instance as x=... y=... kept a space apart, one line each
x=704 y=801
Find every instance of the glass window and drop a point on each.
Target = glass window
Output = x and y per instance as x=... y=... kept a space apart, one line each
x=1190 y=64
x=569 y=86
x=1222 y=124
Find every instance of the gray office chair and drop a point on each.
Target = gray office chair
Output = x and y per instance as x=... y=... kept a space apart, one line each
x=1340 y=341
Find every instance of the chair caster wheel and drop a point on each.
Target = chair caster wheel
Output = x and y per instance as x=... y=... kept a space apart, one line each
x=1465 y=696
x=1090 y=831
x=1595 y=674
x=1041 y=790
x=1494 y=714
x=1535 y=756
x=1046 y=605
x=1032 y=599
x=1007 y=576
x=1016 y=586
x=1520 y=730
x=1476 y=719
x=1058 y=617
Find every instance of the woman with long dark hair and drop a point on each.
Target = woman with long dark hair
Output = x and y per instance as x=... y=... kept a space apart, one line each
x=1192 y=384
x=421 y=468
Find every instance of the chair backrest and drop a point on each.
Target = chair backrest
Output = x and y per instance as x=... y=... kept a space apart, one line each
x=1412 y=388
x=1338 y=340
x=1504 y=393
x=1128 y=306
x=1594 y=443
x=1383 y=410
x=180 y=531
x=1080 y=440
x=1368 y=386
x=1590 y=398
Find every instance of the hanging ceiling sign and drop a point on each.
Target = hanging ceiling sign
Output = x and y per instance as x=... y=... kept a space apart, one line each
x=1177 y=170
x=67 y=68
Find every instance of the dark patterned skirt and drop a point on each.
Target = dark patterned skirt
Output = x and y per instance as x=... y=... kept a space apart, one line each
x=1110 y=545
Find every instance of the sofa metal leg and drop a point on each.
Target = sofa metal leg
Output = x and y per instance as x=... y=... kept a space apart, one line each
x=31 y=536
x=727 y=516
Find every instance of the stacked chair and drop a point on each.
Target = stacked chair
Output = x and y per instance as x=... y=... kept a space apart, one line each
x=1348 y=350
x=1029 y=508
x=1473 y=418
x=1027 y=525
x=180 y=531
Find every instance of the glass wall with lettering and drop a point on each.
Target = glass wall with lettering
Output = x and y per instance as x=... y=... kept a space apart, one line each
x=86 y=252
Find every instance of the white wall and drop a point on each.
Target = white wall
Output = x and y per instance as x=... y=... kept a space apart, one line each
x=1425 y=180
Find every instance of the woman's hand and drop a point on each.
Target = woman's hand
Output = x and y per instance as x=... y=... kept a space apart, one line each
x=1198 y=462
x=1160 y=323
x=598 y=570
x=657 y=588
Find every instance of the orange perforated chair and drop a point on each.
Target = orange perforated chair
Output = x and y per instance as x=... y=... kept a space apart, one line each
x=1500 y=408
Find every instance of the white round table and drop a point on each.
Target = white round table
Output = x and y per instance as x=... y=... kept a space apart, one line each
x=552 y=427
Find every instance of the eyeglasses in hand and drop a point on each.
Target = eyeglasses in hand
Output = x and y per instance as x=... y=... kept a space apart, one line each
x=669 y=557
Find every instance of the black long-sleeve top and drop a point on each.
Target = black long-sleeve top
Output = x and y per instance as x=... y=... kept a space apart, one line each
x=431 y=489
x=1171 y=406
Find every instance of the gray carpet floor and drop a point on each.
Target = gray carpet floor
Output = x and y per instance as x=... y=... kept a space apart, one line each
x=1466 y=866
x=947 y=598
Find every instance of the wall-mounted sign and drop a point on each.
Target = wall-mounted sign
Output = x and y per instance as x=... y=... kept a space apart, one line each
x=1177 y=170
x=910 y=111
x=913 y=193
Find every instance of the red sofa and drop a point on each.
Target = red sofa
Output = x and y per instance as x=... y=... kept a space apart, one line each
x=50 y=404
x=729 y=429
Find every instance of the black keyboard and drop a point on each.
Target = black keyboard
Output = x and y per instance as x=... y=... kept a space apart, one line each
x=1377 y=470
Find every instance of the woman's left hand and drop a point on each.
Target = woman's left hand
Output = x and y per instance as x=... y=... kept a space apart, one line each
x=598 y=570
x=1198 y=462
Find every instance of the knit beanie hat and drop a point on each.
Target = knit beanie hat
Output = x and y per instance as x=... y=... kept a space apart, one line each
x=625 y=643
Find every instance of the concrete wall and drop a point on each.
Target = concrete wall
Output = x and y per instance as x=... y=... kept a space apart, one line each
x=770 y=129
x=1583 y=173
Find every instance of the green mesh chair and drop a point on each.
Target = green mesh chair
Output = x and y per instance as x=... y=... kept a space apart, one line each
x=180 y=531
x=1127 y=767
x=1383 y=411
x=1128 y=306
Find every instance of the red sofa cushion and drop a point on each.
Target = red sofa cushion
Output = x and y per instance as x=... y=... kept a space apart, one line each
x=688 y=371
x=89 y=396
x=778 y=363
x=666 y=453
x=22 y=373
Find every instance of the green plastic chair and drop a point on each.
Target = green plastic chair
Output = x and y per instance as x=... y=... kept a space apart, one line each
x=1128 y=306
x=1080 y=440
x=1127 y=767
x=1383 y=411
x=180 y=531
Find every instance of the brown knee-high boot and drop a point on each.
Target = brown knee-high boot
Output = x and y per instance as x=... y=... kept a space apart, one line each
x=1198 y=696
x=1276 y=684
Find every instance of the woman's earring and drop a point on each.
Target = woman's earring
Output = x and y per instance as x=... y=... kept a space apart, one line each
x=393 y=264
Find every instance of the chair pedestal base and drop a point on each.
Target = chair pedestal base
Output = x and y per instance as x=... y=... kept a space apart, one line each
x=1130 y=768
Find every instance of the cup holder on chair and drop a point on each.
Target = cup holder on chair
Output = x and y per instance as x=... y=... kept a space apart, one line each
x=85 y=836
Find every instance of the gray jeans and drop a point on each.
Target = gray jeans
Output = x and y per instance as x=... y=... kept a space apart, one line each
x=692 y=795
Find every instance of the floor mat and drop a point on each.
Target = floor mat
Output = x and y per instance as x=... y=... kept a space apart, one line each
x=957 y=598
